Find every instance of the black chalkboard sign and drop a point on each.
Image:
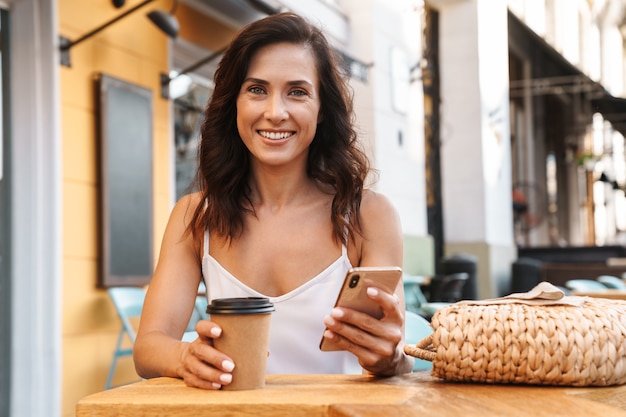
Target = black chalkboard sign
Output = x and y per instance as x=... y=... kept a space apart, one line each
x=124 y=113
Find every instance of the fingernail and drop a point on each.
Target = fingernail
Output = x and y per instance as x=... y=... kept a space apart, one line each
x=372 y=292
x=228 y=366
x=336 y=313
x=328 y=334
x=226 y=378
x=216 y=385
x=216 y=331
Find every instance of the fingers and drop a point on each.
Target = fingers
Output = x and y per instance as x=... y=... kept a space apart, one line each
x=198 y=373
x=208 y=330
x=351 y=323
x=202 y=365
x=390 y=303
x=362 y=334
x=375 y=342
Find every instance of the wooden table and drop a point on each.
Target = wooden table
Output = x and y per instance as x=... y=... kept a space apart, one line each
x=416 y=394
x=608 y=293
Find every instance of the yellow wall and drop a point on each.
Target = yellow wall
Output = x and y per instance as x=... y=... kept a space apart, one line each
x=134 y=50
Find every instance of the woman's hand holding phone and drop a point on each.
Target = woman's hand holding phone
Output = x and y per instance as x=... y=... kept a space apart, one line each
x=368 y=320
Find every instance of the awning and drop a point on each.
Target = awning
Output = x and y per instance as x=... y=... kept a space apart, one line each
x=612 y=109
x=554 y=74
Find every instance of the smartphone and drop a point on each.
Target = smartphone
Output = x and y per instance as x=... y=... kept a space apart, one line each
x=353 y=292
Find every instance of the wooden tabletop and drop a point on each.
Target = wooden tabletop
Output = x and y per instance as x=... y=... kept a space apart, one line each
x=354 y=395
x=608 y=293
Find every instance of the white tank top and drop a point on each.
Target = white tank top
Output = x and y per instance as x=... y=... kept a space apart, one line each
x=298 y=323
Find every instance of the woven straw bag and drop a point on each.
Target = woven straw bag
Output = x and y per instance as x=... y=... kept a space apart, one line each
x=540 y=337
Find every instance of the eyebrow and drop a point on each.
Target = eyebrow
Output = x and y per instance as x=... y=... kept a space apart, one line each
x=264 y=82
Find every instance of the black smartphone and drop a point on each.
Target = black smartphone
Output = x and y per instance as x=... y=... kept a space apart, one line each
x=353 y=292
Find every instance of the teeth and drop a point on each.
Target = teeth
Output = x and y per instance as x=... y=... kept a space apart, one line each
x=275 y=135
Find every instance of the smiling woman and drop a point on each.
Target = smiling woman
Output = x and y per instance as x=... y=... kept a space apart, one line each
x=281 y=213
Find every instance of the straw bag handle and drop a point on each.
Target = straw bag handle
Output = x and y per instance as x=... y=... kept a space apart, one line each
x=422 y=350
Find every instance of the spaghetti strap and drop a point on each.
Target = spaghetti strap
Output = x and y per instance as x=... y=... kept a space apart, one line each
x=206 y=242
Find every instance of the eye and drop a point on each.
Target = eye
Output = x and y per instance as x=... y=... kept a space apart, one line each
x=298 y=93
x=256 y=90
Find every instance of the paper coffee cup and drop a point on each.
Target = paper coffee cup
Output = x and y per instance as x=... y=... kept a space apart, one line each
x=245 y=324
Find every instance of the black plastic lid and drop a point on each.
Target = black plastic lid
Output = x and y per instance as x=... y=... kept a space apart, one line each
x=245 y=305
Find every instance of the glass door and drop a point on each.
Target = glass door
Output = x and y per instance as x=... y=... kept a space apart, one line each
x=5 y=220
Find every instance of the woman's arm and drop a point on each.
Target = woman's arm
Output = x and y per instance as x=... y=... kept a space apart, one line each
x=377 y=343
x=158 y=350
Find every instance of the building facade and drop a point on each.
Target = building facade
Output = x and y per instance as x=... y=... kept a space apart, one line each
x=530 y=128
x=458 y=102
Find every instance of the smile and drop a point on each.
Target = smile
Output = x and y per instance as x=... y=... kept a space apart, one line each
x=275 y=135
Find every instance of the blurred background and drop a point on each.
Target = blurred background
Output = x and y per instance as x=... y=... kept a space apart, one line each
x=497 y=129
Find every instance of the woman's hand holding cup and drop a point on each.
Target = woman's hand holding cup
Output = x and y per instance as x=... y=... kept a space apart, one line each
x=203 y=366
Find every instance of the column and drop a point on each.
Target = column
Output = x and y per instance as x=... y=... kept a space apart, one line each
x=475 y=139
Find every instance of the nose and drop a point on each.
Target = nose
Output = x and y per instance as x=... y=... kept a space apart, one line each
x=276 y=109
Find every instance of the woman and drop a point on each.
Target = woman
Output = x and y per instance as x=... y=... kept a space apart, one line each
x=281 y=213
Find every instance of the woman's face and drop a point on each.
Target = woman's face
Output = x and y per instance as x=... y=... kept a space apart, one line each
x=278 y=105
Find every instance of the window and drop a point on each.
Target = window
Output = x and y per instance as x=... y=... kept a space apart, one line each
x=188 y=115
x=125 y=129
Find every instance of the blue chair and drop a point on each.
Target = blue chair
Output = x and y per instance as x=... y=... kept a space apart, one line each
x=417 y=328
x=199 y=313
x=611 y=281
x=202 y=302
x=128 y=302
x=585 y=285
x=429 y=309
x=415 y=300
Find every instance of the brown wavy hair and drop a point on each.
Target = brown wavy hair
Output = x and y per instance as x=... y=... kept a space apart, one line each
x=334 y=157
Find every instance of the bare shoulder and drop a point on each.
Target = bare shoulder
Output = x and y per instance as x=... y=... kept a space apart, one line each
x=376 y=206
x=185 y=208
x=180 y=218
x=381 y=239
x=177 y=237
